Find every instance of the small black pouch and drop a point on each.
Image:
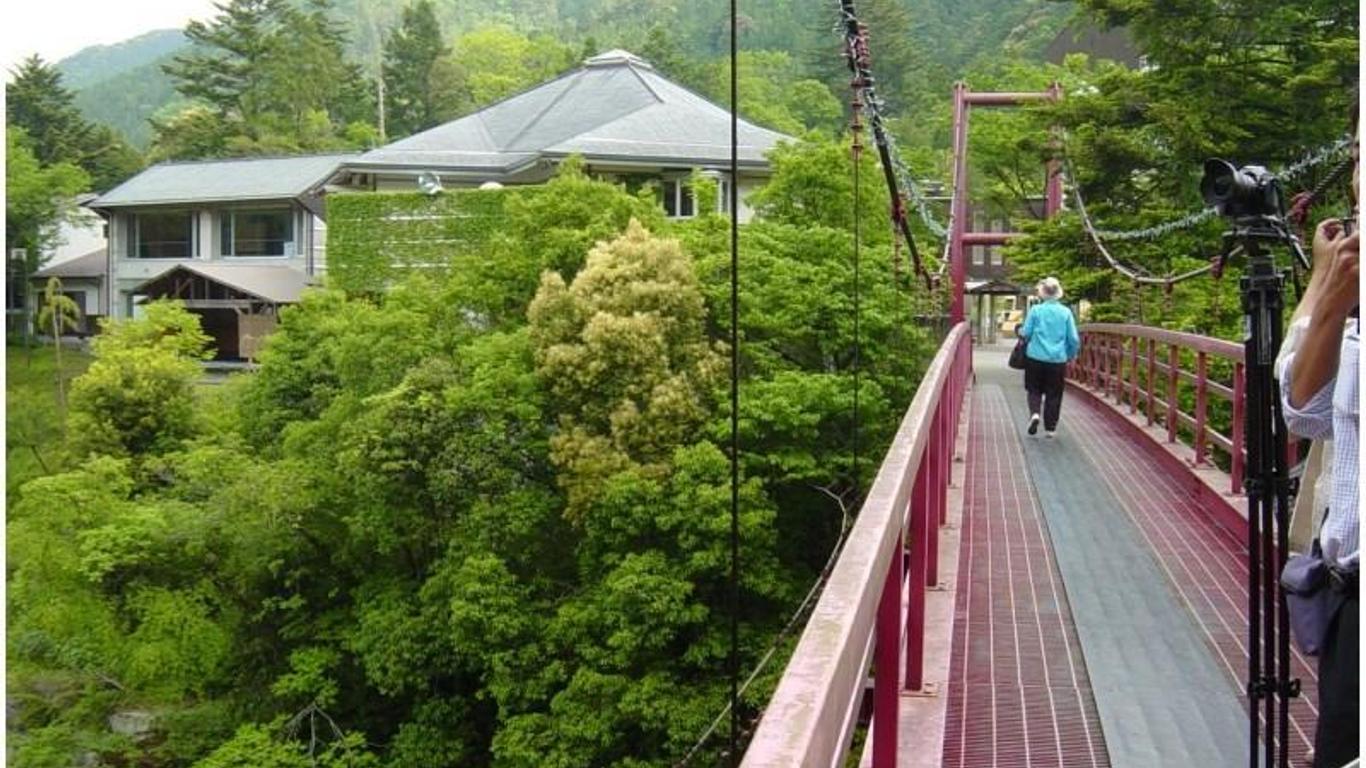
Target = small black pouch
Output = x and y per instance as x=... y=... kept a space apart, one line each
x=1017 y=355
x=1312 y=604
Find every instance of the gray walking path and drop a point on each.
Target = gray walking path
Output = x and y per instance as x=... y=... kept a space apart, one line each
x=1163 y=700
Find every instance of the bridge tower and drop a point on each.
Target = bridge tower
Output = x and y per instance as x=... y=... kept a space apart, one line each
x=959 y=236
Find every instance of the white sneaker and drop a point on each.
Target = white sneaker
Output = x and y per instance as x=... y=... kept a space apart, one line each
x=1050 y=434
x=1034 y=424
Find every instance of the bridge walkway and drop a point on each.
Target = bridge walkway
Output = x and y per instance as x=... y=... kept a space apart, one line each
x=1098 y=607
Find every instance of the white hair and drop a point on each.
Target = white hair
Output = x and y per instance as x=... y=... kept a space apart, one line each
x=1050 y=288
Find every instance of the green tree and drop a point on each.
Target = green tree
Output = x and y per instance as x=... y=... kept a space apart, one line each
x=37 y=102
x=1224 y=82
x=58 y=313
x=491 y=63
x=274 y=78
x=410 y=53
x=137 y=397
x=225 y=69
x=37 y=200
x=776 y=93
x=621 y=351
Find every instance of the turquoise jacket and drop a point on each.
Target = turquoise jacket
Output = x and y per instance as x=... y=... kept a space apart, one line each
x=1052 y=333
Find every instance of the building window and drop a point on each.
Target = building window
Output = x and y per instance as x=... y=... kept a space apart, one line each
x=163 y=235
x=257 y=232
x=724 y=189
x=678 y=199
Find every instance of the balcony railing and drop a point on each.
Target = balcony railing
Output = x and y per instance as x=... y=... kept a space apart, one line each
x=861 y=617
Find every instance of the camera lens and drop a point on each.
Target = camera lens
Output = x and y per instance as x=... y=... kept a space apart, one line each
x=1219 y=183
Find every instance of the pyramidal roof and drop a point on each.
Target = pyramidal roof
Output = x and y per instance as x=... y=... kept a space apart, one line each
x=614 y=107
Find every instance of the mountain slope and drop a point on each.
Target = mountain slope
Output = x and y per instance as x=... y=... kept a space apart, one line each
x=121 y=85
x=97 y=63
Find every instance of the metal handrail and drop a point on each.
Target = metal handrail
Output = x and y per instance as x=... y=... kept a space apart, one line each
x=1124 y=362
x=811 y=718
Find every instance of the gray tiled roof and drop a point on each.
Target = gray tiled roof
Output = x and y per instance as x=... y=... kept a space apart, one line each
x=270 y=282
x=614 y=107
x=92 y=264
x=273 y=178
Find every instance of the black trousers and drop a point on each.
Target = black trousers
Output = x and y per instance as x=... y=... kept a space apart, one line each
x=1044 y=383
x=1337 y=739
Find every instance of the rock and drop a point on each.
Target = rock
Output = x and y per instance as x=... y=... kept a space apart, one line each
x=132 y=722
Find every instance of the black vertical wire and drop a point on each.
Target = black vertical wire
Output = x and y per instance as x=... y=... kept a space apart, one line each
x=734 y=399
x=858 y=146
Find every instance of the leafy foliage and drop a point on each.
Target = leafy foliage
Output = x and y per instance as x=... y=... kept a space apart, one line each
x=1226 y=82
x=621 y=352
x=137 y=397
x=471 y=514
x=490 y=63
x=273 y=78
x=37 y=198
x=410 y=54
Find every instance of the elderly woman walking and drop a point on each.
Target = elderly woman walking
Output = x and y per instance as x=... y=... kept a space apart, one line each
x=1053 y=340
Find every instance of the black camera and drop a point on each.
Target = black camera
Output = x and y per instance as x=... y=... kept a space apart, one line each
x=1241 y=192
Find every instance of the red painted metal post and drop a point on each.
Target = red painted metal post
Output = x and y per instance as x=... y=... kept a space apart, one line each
x=1112 y=362
x=946 y=416
x=1110 y=359
x=887 y=657
x=1239 y=413
x=915 y=613
x=1173 y=361
x=959 y=217
x=1201 y=405
x=1152 y=371
x=1052 y=195
x=934 y=449
x=1098 y=362
x=1097 y=359
x=1117 y=380
x=1133 y=374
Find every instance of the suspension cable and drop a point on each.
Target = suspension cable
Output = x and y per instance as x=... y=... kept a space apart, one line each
x=856 y=152
x=734 y=201
x=859 y=60
x=1311 y=160
x=1139 y=275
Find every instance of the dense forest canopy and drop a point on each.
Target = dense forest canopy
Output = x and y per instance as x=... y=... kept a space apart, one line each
x=479 y=517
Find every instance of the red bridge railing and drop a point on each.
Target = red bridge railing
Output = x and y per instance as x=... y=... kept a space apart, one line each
x=859 y=618
x=1153 y=370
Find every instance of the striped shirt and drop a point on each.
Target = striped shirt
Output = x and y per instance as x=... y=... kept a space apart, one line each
x=1333 y=412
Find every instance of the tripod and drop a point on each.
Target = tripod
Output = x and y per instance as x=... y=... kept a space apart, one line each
x=1269 y=686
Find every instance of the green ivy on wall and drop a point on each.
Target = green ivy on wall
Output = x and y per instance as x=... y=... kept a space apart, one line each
x=374 y=236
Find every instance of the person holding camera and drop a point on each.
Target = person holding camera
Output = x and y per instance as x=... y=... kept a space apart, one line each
x=1319 y=392
x=1053 y=340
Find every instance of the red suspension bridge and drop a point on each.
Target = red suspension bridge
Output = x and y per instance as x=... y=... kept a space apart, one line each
x=1010 y=601
x=1004 y=600
x=1100 y=598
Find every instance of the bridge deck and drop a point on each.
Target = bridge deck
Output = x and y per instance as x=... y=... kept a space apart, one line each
x=1099 y=611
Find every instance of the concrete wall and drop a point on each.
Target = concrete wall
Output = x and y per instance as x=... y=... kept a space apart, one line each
x=129 y=273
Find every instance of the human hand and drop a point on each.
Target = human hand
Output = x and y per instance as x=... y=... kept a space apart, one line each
x=1325 y=237
x=1341 y=292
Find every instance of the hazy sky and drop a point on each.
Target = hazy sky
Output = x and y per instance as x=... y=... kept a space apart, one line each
x=55 y=29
